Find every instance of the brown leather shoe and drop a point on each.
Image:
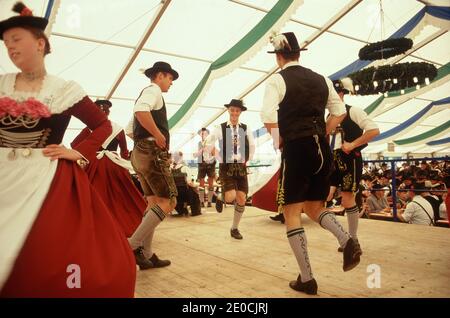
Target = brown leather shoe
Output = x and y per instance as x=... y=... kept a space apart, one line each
x=351 y=256
x=358 y=250
x=236 y=234
x=309 y=287
x=141 y=261
x=156 y=262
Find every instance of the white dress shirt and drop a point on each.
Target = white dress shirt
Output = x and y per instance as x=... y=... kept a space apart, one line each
x=359 y=117
x=415 y=214
x=216 y=135
x=150 y=99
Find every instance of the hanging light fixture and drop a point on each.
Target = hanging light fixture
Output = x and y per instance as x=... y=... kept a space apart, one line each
x=408 y=75
x=390 y=77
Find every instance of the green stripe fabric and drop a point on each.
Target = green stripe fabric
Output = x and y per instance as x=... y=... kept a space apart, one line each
x=425 y=135
x=245 y=44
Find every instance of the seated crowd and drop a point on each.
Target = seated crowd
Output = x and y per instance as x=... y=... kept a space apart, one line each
x=420 y=196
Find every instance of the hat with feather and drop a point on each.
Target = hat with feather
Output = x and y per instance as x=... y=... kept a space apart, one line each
x=285 y=43
x=24 y=19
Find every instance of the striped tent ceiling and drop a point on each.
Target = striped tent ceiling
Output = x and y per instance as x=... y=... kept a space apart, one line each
x=219 y=48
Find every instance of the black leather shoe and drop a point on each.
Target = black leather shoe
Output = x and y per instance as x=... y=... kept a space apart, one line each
x=351 y=256
x=309 y=287
x=219 y=206
x=279 y=217
x=209 y=205
x=156 y=262
x=235 y=233
x=141 y=261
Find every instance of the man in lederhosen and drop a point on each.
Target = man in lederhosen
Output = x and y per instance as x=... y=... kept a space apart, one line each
x=151 y=161
x=206 y=167
x=294 y=109
x=236 y=148
x=347 y=141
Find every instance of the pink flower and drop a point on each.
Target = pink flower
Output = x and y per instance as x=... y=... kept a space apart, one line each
x=6 y=104
x=31 y=108
x=35 y=109
x=15 y=110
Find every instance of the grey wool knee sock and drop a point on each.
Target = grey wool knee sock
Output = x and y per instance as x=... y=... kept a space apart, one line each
x=328 y=221
x=238 y=211
x=353 y=218
x=297 y=240
x=144 y=232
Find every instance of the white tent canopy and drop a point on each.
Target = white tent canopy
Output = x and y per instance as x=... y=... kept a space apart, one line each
x=103 y=46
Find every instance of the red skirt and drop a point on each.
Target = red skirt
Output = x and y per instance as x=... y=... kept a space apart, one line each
x=266 y=197
x=75 y=247
x=114 y=185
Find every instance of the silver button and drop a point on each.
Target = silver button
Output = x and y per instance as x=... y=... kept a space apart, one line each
x=26 y=152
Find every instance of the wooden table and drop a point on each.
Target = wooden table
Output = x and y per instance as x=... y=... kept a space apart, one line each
x=381 y=216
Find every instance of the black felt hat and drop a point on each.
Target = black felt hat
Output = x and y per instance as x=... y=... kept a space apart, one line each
x=236 y=103
x=103 y=102
x=161 y=67
x=25 y=19
x=285 y=43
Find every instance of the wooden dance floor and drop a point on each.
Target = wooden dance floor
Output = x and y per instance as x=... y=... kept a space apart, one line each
x=414 y=261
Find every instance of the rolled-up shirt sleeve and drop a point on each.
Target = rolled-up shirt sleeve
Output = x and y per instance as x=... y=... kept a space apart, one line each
x=273 y=95
x=360 y=117
x=129 y=127
x=335 y=105
x=148 y=100
x=251 y=139
x=213 y=137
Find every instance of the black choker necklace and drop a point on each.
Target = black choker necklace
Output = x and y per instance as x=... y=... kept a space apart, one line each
x=31 y=76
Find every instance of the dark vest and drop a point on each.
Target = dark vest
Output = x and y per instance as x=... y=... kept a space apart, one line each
x=301 y=112
x=226 y=147
x=160 y=118
x=113 y=145
x=351 y=130
x=179 y=177
x=435 y=205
